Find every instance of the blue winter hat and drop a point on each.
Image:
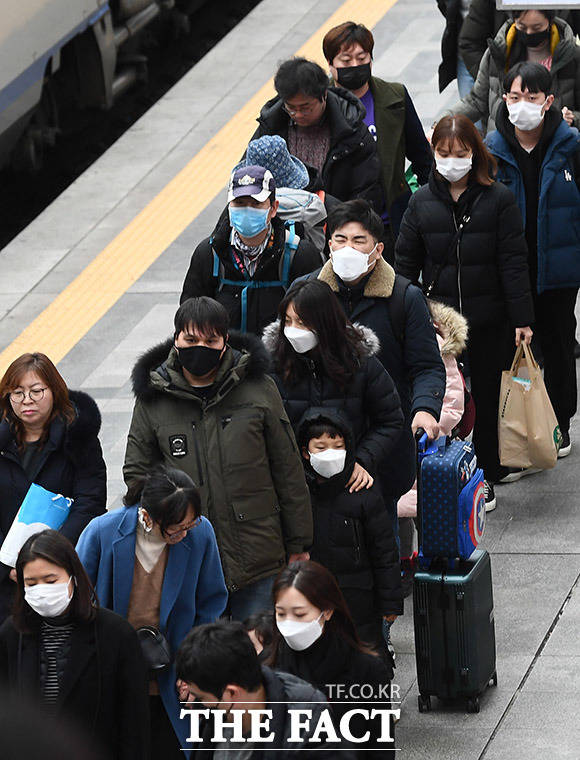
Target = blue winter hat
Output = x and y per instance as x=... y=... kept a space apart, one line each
x=271 y=152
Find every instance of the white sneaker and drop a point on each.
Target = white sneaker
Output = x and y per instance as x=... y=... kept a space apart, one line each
x=519 y=473
x=566 y=446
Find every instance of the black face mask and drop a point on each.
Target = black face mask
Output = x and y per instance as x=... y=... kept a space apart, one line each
x=535 y=39
x=354 y=77
x=199 y=360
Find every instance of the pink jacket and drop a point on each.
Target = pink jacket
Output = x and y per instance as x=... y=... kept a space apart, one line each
x=451 y=330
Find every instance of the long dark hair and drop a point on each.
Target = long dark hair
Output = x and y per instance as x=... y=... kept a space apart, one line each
x=166 y=493
x=319 y=586
x=339 y=346
x=53 y=547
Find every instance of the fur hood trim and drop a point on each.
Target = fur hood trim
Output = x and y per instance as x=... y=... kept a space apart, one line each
x=88 y=420
x=370 y=343
x=243 y=344
x=379 y=285
x=451 y=325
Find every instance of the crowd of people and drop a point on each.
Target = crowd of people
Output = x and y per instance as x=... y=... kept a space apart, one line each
x=270 y=462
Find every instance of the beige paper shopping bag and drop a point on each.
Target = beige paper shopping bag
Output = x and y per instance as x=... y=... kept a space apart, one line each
x=529 y=435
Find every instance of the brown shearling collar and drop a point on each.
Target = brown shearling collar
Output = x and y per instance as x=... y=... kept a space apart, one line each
x=379 y=285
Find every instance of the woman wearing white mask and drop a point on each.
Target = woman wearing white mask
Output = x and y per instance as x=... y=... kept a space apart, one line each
x=82 y=662
x=321 y=359
x=462 y=236
x=315 y=639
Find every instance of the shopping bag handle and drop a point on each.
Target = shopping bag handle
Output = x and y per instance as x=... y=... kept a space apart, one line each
x=526 y=350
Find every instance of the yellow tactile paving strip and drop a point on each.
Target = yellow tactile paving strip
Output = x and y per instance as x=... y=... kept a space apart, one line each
x=117 y=267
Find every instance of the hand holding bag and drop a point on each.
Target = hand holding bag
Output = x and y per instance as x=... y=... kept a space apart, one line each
x=40 y=509
x=529 y=434
x=155 y=648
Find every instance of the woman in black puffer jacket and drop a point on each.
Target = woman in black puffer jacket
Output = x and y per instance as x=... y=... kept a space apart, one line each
x=462 y=234
x=321 y=360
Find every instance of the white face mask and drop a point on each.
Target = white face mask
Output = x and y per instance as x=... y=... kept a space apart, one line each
x=525 y=116
x=48 y=600
x=350 y=264
x=301 y=340
x=328 y=463
x=299 y=635
x=452 y=168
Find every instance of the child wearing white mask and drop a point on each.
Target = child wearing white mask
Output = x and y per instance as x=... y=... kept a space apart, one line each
x=353 y=535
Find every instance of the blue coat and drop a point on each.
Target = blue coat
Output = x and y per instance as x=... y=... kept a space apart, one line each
x=558 y=206
x=194 y=590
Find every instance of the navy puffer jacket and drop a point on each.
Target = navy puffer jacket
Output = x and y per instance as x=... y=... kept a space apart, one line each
x=558 y=208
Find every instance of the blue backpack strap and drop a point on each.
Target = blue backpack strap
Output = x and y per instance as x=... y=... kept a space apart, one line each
x=290 y=248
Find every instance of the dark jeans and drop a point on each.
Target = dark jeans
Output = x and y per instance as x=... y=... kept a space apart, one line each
x=490 y=350
x=555 y=329
x=164 y=742
x=253 y=598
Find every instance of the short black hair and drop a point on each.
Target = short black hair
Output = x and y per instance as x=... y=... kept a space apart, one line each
x=217 y=654
x=535 y=77
x=205 y=314
x=315 y=429
x=300 y=75
x=357 y=210
x=550 y=15
x=166 y=493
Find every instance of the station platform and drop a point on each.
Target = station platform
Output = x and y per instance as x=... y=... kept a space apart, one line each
x=95 y=280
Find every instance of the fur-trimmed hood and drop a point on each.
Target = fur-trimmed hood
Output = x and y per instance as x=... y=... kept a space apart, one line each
x=249 y=360
x=370 y=344
x=451 y=326
x=379 y=285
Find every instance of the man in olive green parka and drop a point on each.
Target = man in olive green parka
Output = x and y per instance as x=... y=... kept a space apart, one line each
x=205 y=404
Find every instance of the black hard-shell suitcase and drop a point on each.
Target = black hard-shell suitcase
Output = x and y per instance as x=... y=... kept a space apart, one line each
x=454 y=631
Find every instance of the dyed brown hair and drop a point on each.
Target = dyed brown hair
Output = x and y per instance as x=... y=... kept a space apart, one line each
x=48 y=373
x=345 y=36
x=461 y=129
x=319 y=586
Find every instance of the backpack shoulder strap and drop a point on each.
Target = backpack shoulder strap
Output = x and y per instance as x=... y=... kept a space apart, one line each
x=290 y=248
x=396 y=307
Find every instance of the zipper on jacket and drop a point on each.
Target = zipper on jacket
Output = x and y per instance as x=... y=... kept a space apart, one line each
x=197 y=454
x=458 y=266
x=356 y=541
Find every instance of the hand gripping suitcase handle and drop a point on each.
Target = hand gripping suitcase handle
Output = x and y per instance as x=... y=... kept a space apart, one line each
x=421 y=439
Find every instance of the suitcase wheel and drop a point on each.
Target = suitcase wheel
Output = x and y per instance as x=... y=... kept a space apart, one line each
x=493 y=680
x=473 y=705
x=424 y=703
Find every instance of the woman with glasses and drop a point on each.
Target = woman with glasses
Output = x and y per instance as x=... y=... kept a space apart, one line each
x=156 y=563
x=48 y=436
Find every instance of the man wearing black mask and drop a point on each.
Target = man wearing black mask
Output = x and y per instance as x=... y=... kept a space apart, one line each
x=205 y=404
x=390 y=117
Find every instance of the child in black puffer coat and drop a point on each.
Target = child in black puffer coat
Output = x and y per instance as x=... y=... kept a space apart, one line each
x=353 y=535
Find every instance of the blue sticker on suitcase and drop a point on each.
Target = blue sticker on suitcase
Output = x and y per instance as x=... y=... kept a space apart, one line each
x=451 y=500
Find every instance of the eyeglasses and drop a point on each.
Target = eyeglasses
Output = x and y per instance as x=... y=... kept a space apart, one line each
x=36 y=394
x=305 y=110
x=181 y=530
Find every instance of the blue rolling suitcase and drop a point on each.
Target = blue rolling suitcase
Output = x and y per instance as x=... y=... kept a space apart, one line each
x=450 y=500
x=454 y=631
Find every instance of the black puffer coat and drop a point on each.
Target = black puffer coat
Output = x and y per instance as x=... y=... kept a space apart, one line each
x=371 y=404
x=352 y=168
x=71 y=464
x=262 y=302
x=451 y=10
x=486 y=278
x=353 y=535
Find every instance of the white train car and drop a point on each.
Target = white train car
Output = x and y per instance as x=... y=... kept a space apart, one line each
x=72 y=51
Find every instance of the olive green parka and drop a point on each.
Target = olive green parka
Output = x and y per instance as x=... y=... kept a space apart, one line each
x=237 y=445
